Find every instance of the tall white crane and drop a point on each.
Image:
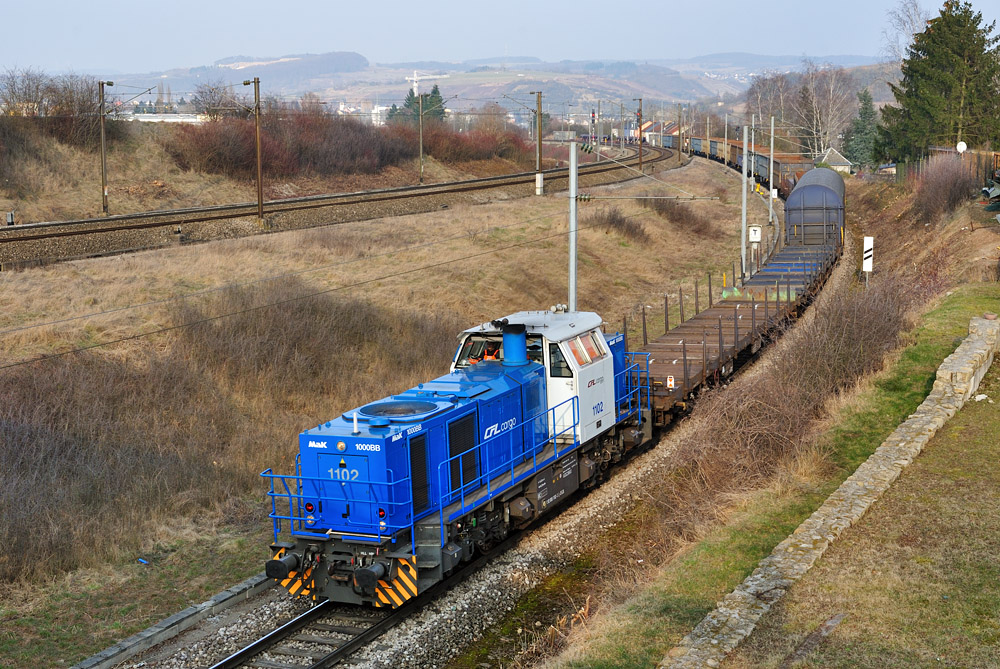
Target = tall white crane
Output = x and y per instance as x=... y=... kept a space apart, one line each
x=417 y=76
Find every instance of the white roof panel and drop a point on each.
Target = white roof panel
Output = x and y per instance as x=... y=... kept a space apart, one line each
x=554 y=326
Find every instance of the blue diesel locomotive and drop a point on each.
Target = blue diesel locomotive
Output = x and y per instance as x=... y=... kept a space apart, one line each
x=389 y=498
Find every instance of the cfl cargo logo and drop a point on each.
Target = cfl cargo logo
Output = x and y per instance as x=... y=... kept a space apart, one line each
x=499 y=428
x=594 y=382
x=317 y=444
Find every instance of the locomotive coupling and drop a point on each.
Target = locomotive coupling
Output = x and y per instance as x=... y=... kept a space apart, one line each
x=366 y=578
x=280 y=568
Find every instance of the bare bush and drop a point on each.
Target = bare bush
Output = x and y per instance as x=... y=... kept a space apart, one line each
x=229 y=147
x=98 y=449
x=682 y=215
x=945 y=183
x=612 y=219
x=482 y=143
x=326 y=144
x=291 y=142
x=747 y=431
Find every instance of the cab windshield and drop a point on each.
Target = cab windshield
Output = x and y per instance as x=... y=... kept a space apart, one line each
x=490 y=347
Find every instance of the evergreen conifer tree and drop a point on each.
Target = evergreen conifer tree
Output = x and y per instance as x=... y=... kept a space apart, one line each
x=433 y=107
x=949 y=86
x=860 y=146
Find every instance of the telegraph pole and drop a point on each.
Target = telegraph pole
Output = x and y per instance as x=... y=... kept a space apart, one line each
x=598 y=131
x=104 y=160
x=726 y=142
x=420 y=110
x=743 y=226
x=256 y=117
x=638 y=131
x=539 y=178
x=662 y=117
x=622 y=133
x=572 y=224
x=680 y=133
x=420 y=122
x=770 y=179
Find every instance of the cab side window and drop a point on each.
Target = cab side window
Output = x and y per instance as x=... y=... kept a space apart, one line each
x=472 y=352
x=558 y=367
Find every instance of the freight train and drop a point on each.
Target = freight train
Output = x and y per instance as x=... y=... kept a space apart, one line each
x=788 y=167
x=389 y=498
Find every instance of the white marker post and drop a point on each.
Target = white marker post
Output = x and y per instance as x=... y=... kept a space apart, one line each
x=754 y=236
x=867 y=257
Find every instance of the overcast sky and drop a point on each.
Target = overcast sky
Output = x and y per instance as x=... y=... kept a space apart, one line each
x=135 y=36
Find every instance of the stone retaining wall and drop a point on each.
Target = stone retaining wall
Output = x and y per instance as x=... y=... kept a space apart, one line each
x=737 y=614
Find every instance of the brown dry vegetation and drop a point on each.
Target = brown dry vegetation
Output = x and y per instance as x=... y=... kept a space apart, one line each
x=761 y=431
x=151 y=166
x=111 y=444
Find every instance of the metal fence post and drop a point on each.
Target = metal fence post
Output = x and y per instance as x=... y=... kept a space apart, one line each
x=645 y=340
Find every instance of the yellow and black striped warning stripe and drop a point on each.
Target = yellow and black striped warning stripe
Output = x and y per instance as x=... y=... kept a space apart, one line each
x=295 y=584
x=403 y=586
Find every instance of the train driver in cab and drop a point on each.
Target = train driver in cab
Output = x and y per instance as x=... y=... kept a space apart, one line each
x=492 y=351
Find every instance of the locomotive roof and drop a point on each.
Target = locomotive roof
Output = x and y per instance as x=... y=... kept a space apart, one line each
x=553 y=325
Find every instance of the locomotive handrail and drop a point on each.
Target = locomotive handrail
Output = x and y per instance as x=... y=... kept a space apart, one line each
x=297 y=521
x=632 y=398
x=491 y=491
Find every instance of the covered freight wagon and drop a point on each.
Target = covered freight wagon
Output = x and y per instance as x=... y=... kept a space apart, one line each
x=814 y=210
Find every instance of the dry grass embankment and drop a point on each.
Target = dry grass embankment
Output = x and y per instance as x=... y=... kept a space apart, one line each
x=915 y=581
x=115 y=448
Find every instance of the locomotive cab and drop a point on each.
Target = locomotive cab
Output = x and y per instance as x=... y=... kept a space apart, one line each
x=578 y=364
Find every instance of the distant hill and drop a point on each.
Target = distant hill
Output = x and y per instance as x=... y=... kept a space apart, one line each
x=748 y=63
x=349 y=77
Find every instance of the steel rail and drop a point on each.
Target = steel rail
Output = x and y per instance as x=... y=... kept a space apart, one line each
x=274 y=636
x=215 y=213
x=271 y=639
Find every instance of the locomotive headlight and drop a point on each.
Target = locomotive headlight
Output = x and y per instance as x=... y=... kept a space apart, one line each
x=310 y=520
x=341 y=446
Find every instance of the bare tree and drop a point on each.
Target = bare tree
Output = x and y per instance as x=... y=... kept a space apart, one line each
x=492 y=118
x=903 y=21
x=218 y=99
x=24 y=92
x=769 y=95
x=825 y=105
x=311 y=104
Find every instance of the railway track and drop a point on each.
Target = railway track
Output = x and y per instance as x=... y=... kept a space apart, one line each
x=328 y=633
x=320 y=637
x=45 y=242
